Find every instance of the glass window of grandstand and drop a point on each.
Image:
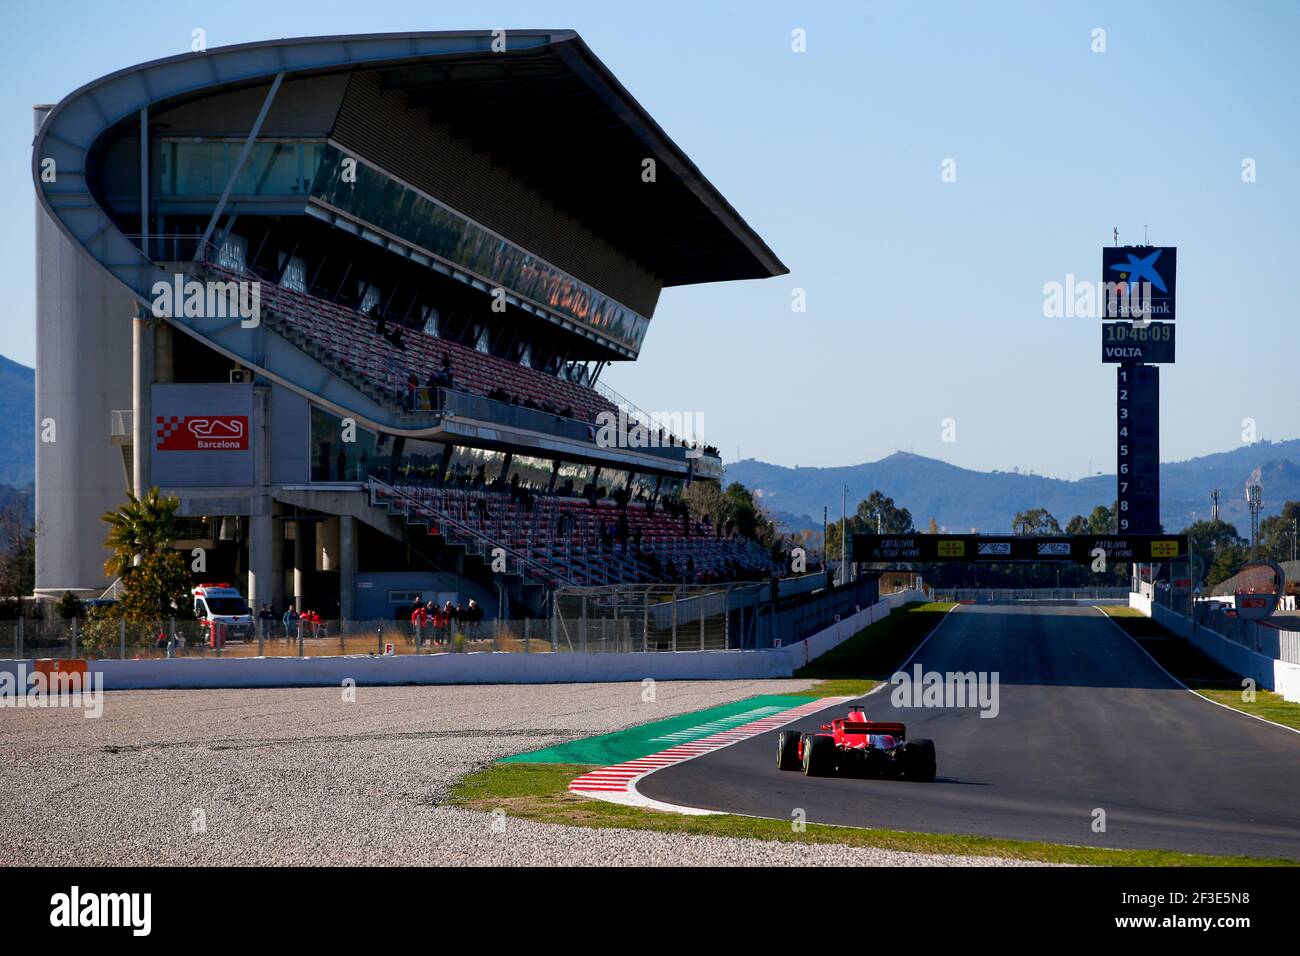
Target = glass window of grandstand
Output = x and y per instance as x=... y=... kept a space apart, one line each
x=474 y=467
x=421 y=462
x=190 y=166
x=340 y=453
x=531 y=473
x=611 y=483
x=643 y=487
x=233 y=254
x=294 y=274
x=670 y=489
x=572 y=478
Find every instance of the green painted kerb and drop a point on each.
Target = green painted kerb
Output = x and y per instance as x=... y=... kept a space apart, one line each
x=661 y=734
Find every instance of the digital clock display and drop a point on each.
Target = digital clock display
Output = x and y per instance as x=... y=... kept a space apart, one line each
x=1147 y=343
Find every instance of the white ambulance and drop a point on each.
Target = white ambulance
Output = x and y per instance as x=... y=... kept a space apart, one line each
x=225 y=612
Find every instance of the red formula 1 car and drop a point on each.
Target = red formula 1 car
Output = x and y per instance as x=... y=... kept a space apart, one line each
x=855 y=745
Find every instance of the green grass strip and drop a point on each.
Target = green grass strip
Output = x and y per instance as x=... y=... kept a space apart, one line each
x=540 y=792
x=1201 y=672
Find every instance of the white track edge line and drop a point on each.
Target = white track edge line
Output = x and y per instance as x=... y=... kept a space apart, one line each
x=1196 y=694
x=636 y=798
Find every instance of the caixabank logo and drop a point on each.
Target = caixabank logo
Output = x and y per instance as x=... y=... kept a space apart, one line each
x=202 y=433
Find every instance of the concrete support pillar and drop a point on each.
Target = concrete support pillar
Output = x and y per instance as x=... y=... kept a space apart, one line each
x=347 y=566
x=278 y=595
x=142 y=369
x=299 y=564
x=261 y=572
x=164 y=372
x=261 y=563
x=327 y=544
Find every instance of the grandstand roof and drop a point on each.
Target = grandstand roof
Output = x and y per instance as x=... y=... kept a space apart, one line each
x=547 y=109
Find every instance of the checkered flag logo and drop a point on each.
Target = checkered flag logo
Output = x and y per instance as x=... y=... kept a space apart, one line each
x=166 y=426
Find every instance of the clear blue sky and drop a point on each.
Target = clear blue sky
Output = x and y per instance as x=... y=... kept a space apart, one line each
x=924 y=298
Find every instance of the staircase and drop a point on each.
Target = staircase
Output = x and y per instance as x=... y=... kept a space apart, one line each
x=530 y=572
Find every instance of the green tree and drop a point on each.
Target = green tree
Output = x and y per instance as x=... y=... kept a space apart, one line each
x=879 y=510
x=17 y=558
x=1226 y=560
x=1276 y=531
x=141 y=527
x=736 y=504
x=155 y=578
x=1208 y=539
x=71 y=606
x=157 y=588
x=1035 y=521
x=892 y=520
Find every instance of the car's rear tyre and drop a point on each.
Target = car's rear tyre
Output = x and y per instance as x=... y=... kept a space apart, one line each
x=921 y=762
x=818 y=755
x=787 y=750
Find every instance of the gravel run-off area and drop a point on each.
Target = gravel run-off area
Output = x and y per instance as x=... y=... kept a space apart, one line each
x=285 y=777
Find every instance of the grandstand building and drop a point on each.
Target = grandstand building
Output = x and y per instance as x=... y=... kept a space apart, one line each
x=349 y=298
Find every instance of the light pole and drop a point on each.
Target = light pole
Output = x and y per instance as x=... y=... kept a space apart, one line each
x=844 y=499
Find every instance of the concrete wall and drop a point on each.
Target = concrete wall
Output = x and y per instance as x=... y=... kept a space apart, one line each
x=485 y=668
x=83 y=373
x=1267 y=672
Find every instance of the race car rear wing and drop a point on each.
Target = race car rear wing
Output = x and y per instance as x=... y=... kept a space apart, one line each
x=874 y=727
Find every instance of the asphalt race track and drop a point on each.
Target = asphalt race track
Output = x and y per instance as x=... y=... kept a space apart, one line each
x=1086 y=721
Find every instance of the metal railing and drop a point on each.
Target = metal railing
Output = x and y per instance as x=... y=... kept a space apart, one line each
x=418 y=511
x=106 y=638
x=1031 y=594
x=121 y=423
x=1269 y=639
x=666 y=617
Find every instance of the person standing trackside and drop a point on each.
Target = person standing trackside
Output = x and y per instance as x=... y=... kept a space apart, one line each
x=290 y=622
x=418 y=620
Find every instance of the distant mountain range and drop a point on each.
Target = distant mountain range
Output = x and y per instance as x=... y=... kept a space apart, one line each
x=957 y=498
x=960 y=499
x=17 y=423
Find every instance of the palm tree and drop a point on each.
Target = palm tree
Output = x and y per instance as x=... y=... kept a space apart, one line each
x=141 y=527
